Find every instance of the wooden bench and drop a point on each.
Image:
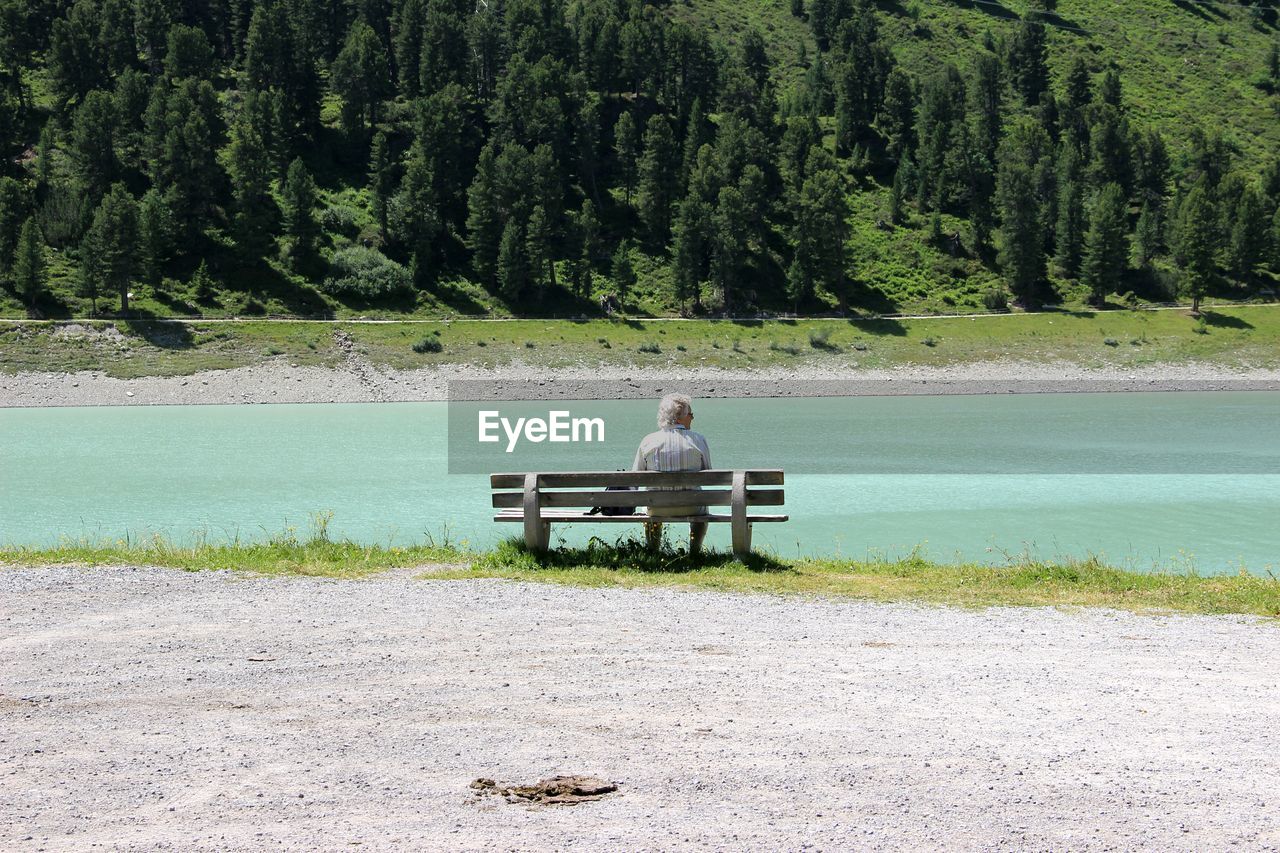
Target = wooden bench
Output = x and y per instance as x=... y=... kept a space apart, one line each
x=539 y=499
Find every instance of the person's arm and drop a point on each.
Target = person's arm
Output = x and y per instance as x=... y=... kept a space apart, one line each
x=639 y=464
x=706 y=451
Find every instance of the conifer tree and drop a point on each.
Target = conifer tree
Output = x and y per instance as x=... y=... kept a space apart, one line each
x=155 y=235
x=14 y=210
x=1020 y=189
x=381 y=179
x=361 y=76
x=1106 y=245
x=513 y=261
x=1147 y=241
x=658 y=178
x=1069 y=232
x=538 y=239
x=623 y=270
x=1028 y=59
x=92 y=144
x=1248 y=234
x=108 y=255
x=624 y=135
x=1197 y=243
x=298 y=199
x=252 y=174
x=485 y=229
x=28 y=266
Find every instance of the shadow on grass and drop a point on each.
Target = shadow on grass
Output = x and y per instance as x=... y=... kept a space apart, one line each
x=158 y=333
x=879 y=327
x=624 y=554
x=1225 y=321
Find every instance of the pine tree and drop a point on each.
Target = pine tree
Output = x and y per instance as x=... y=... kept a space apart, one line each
x=538 y=240
x=624 y=135
x=381 y=180
x=298 y=198
x=92 y=144
x=896 y=121
x=14 y=210
x=513 y=262
x=1028 y=60
x=1249 y=234
x=361 y=76
x=155 y=235
x=623 y=270
x=484 y=219
x=821 y=230
x=28 y=265
x=903 y=179
x=1106 y=245
x=252 y=174
x=1069 y=232
x=692 y=237
x=1020 y=189
x=188 y=54
x=108 y=255
x=1147 y=236
x=658 y=178
x=1197 y=242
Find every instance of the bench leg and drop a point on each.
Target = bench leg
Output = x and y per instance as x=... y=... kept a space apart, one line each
x=741 y=539
x=653 y=535
x=537 y=536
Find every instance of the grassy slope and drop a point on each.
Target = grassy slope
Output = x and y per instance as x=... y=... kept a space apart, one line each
x=1232 y=337
x=1077 y=584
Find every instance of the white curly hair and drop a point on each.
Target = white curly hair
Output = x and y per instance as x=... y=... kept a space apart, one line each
x=673 y=409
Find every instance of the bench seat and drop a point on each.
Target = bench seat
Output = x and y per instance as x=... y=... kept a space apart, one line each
x=584 y=515
x=537 y=499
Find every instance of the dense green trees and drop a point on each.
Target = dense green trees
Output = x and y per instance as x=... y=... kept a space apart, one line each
x=545 y=149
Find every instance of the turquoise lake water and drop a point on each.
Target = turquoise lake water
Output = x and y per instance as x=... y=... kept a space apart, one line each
x=1176 y=480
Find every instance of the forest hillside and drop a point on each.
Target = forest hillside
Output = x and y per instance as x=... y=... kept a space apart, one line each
x=565 y=157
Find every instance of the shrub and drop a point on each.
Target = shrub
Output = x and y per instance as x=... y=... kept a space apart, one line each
x=428 y=345
x=774 y=346
x=1201 y=327
x=860 y=346
x=996 y=299
x=529 y=345
x=820 y=338
x=681 y=348
x=930 y=342
x=1111 y=342
x=339 y=220
x=651 y=348
x=366 y=273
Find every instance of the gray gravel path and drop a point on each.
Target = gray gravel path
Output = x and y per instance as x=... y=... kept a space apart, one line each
x=154 y=709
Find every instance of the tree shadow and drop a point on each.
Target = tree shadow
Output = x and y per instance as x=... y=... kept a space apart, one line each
x=1200 y=11
x=879 y=326
x=1224 y=321
x=988 y=7
x=163 y=334
x=49 y=306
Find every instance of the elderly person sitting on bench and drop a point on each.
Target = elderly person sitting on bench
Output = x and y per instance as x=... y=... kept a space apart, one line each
x=674 y=447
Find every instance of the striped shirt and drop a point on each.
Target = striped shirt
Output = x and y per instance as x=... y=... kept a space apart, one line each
x=675 y=448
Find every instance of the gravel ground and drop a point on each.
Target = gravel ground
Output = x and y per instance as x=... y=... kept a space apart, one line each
x=360 y=382
x=153 y=709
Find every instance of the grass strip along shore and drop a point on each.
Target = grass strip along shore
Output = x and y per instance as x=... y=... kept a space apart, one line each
x=1230 y=337
x=626 y=563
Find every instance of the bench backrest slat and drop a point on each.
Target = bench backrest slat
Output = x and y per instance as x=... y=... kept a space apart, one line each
x=683 y=497
x=600 y=479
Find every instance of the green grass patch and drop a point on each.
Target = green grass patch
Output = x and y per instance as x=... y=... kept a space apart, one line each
x=282 y=554
x=1023 y=583
x=1229 y=337
x=628 y=564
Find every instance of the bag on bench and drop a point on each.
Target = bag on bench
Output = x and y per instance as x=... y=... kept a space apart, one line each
x=615 y=510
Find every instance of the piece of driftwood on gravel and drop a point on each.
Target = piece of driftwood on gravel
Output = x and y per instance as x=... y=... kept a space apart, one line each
x=558 y=790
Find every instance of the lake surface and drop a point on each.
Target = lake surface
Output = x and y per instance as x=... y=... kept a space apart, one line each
x=1175 y=480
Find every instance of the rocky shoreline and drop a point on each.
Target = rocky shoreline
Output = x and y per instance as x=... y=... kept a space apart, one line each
x=282 y=382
